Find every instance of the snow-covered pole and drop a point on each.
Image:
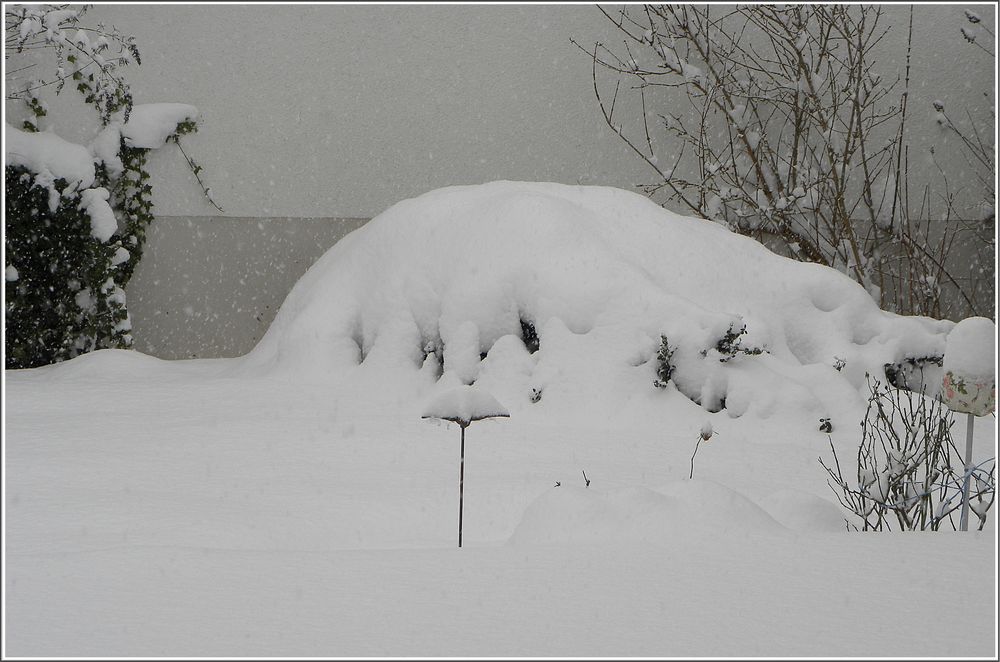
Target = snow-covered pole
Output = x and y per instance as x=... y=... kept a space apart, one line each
x=705 y=434
x=969 y=384
x=464 y=405
x=964 y=521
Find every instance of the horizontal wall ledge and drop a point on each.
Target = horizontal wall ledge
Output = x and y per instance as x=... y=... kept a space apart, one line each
x=209 y=286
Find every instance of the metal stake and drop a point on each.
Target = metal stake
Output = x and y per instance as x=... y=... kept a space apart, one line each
x=964 y=525
x=461 y=488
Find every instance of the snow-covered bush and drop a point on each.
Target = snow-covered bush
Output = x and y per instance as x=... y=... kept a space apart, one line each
x=921 y=374
x=76 y=215
x=909 y=472
x=62 y=298
x=664 y=366
x=731 y=344
x=529 y=335
x=790 y=135
x=606 y=273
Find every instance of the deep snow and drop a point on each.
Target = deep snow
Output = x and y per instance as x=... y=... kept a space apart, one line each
x=293 y=501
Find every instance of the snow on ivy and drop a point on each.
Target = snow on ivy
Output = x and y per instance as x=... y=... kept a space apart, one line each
x=49 y=156
x=94 y=201
x=105 y=148
x=151 y=124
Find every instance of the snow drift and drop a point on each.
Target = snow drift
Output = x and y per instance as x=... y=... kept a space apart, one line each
x=293 y=501
x=582 y=516
x=452 y=286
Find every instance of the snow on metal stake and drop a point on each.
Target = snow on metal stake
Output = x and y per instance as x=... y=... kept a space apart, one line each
x=464 y=405
x=969 y=384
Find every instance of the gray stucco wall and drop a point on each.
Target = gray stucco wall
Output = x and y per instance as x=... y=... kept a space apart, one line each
x=208 y=287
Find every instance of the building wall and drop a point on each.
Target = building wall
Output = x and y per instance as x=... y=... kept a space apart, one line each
x=208 y=287
x=344 y=110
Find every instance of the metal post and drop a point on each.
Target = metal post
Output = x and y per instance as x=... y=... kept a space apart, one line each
x=461 y=488
x=964 y=526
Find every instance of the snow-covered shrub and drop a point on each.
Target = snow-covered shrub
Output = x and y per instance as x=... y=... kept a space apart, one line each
x=909 y=472
x=77 y=213
x=731 y=344
x=793 y=138
x=664 y=366
x=606 y=274
x=62 y=298
x=529 y=335
x=921 y=374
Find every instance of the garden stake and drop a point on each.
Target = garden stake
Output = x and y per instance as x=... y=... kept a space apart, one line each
x=448 y=411
x=461 y=486
x=964 y=525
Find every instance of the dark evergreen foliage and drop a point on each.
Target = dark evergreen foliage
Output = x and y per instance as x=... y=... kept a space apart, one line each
x=731 y=344
x=65 y=299
x=664 y=367
x=529 y=336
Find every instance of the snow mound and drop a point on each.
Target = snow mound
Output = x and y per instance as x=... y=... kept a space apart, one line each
x=575 y=286
x=463 y=405
x=802 y=511
x=577 y=515
x=150 y=124
x=110 y=367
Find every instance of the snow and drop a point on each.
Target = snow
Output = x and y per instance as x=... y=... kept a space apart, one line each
x=600 y=273
x=464 y=405
x=83 y=299
x=706 y=430
x=577 y=515
x=102 y=218
x=48 y=155
x=969 y=349
x=150 y=124
x=121 y=256
x=10 y=273
x=461 y=352
x=105 y=147
x=54 y=18
x=292 y=502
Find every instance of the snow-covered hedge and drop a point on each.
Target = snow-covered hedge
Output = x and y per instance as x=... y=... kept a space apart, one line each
x=600 y=276
x=62 y=298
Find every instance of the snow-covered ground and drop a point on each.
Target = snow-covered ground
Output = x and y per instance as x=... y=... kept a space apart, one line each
x=294 y=502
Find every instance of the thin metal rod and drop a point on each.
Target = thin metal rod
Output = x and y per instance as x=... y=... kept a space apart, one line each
x=461 y=488
x=964 y=526
x=697 y=444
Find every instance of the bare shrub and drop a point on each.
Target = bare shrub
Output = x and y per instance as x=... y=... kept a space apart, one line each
x=909 y=472
x=787 y=133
